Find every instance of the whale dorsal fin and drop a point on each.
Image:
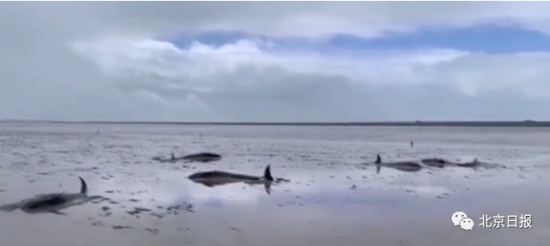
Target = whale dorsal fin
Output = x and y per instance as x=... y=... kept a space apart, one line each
x=267 y=173
x=83 y=186
x=378 y=163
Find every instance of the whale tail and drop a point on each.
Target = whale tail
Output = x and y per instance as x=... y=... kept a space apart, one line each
x=378 y=163
x=83 y=186
x=267 y=173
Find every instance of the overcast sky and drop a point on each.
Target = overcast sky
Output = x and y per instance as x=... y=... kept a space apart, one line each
x=285 y=61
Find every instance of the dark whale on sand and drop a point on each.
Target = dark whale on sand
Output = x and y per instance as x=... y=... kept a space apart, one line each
x=198 y=157
x=405 y=166
x=215 y=178
x=475 y=164
x=435 y=162
x=53 y=202
x=202 y=157
x=438 y=162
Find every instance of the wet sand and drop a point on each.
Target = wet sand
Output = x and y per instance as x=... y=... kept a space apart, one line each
x=332 y=197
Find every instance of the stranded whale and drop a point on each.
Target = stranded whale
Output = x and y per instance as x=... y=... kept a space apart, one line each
x=438 y=162
x=198 y=157
x=406 y=166
x=53 y=202
x=215 y=178
x=435 y=162
x=202 y=157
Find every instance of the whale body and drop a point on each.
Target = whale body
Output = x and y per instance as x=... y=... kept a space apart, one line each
x=405 y=166
x=202 y=157
x=216 y=178
x=52 y=202
x=198 y=157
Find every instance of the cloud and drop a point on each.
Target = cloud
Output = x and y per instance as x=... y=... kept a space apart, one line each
x=233 y=79
x=108 y=61
x=293 y=19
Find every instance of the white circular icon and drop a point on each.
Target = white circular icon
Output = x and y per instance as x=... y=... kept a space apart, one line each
x=467 y=224
x=457 y=217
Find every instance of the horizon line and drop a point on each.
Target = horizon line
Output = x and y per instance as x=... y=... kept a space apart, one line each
x=523 y=123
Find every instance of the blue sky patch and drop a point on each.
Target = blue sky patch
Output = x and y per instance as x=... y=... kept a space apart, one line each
x=486 y=39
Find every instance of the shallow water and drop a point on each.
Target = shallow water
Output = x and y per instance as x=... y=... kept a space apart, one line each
x=332 y=197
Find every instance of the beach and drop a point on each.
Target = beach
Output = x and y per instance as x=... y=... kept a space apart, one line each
x=333 y=197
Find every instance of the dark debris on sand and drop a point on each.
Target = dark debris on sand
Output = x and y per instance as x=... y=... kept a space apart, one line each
x=153 y=231
x=158 y=212
x=119 y=227
x=184 y=207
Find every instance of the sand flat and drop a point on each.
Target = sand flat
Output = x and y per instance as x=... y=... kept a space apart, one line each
x=333 y=198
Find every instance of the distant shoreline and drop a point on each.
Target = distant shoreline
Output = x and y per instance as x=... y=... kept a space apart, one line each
x=527 y=123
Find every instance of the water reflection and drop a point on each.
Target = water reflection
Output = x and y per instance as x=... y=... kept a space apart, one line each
x=330 y=201
x=316 y=201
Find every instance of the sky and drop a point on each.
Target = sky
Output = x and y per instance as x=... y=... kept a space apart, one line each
x=275 y=61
